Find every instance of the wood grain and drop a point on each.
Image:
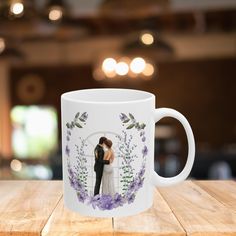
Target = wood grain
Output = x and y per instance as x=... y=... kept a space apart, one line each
x=223 y=191
x=25 y=206
x=64 y=222
x=158 y=220
x=193 y=208
x=198 y=212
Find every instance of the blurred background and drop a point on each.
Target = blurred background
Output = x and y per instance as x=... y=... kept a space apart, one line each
x=183 y=51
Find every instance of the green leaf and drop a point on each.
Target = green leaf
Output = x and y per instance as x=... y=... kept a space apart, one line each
x=130 y=126
x=78 y=125
x=77 y=115
x=131 y=116
x=68 y=125
x=81 y=119
x=126 y=121
x=142 y=126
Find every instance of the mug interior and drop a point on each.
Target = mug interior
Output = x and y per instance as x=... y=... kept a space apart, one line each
x=107 y=95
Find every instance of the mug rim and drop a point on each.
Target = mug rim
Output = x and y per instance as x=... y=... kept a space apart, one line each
x=68 y=96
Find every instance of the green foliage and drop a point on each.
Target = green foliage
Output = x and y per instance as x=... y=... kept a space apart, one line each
x=78 y=125
x=77 y=121
x=130 y=126
x=131 y=122
x=80 y=167
x=126 y=153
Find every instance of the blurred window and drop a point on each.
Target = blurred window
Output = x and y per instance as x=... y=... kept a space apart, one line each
x=35 y=132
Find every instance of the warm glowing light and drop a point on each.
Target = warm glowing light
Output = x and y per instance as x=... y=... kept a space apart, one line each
x=98 y=74
x=122 y=68
x=137 y=65
x=147 y=38
x=55 y=13
x=111 y=74
x=16 y=165
x=17 y=8
x=2 y=45
x=109 y=65
x=148 y=70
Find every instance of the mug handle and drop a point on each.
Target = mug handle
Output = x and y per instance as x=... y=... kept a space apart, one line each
x=158 y=180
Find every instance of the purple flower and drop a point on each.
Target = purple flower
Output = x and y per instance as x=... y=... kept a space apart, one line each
x=130 y=198
x=141 y=172
x=143 y=139
x=94 y=200
x=82 y=195
x=118 y=200
x=145 y=151
x=67 y=150
x=135 y=185
x=106 y=202
x=140 y=183
x=70 y=171
x=132 y=186
x=76 y=185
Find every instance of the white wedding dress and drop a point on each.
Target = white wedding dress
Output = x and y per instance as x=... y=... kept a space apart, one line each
x=108 y=186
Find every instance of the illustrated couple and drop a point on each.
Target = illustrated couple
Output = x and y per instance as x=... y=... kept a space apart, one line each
x=104 y=156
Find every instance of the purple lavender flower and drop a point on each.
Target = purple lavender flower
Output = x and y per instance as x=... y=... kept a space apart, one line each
x=70 y=171
x=143 y=139
x=67 y=150
x=106 y=202
x=140 y=183
x=132 y=186
x=130 y=198
x=145 y=151
x=75 y=183
x=71 y=181
x=118 y=200
x=82 y=195
x=141 y=172
x=94 y=200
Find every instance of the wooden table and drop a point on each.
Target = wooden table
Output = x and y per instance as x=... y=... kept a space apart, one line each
x=191 y=208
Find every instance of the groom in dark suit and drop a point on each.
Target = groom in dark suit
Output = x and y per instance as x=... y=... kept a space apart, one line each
x=99 y=164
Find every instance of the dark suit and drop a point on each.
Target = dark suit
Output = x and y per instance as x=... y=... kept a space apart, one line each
x=98 y=167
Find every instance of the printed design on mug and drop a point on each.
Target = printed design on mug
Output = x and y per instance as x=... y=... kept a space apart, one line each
x=104 y=195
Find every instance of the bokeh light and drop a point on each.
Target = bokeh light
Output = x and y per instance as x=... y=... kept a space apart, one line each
x=148 y=70
x=16 y=165
x=109 y=65
x=122 y=68
x=2 y=44
x=137 y=65
x=17 y=8
x=147 y=38
x=98 y=74
x=55 y=13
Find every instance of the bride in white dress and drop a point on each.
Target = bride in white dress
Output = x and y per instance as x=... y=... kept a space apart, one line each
x=108 y=186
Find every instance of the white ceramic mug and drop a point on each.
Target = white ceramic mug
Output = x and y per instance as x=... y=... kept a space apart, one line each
x=124 y=172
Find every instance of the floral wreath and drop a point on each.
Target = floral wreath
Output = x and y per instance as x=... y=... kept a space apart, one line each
x=132 y=182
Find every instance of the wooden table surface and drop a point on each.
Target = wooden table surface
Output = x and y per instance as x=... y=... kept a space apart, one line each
x=191 y=208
